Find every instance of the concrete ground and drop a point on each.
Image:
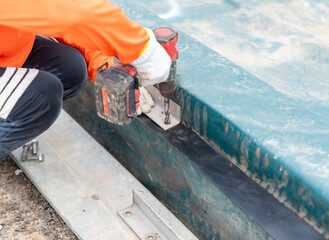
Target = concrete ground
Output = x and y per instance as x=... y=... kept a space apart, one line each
x=24 y=213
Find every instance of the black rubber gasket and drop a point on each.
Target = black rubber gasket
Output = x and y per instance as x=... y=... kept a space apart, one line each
x=276 y=219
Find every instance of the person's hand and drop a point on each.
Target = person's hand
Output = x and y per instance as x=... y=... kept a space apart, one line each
x=154 y=64
x=145 y=101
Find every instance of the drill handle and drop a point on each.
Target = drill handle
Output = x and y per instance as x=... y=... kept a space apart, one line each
x=167 y=37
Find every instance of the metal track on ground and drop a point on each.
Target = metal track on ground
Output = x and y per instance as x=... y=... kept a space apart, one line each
x=87 y=186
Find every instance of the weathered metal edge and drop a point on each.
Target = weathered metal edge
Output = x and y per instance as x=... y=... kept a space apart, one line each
x=239 y=145
x=188 y=176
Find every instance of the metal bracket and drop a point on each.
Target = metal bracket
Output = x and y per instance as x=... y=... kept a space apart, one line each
x=157 y=112
x=32 y=147
x=145 y=221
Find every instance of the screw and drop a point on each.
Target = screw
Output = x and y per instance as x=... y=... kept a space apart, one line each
x=34 y=144
x=26 y=149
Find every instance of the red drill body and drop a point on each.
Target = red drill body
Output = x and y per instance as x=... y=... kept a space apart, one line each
x=117 y=87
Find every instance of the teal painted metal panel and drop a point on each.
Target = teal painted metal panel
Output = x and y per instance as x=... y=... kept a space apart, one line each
x=240 y=115
x=166 y=172
x=272 y=118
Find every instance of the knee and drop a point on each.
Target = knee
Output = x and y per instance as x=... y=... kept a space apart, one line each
x=78 y=74
x=35 y=111
x=40 y=104
x=50 y=98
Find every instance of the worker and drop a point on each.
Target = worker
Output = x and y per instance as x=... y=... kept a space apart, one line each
x=37 y=73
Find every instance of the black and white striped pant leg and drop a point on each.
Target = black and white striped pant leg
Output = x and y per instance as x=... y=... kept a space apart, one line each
x=30 y=101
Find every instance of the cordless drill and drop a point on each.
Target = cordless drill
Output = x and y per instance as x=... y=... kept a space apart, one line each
x=168 y=37
x=117 y=88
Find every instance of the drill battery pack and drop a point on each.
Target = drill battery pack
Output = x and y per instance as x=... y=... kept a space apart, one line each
x=117 y=93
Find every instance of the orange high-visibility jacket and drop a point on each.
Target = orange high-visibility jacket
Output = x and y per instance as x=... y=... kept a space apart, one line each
x=96 y=27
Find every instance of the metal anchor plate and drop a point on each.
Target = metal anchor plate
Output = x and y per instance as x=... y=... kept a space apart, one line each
x=157 y=112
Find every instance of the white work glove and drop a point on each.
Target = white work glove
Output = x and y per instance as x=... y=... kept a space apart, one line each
x=145 y=101
x=153 y=65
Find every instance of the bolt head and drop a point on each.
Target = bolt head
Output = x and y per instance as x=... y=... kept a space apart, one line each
x=41 y=157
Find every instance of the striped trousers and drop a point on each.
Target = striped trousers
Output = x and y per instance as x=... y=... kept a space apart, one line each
x=31 y=97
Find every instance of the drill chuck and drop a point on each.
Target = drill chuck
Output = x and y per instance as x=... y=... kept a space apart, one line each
x=167 y=88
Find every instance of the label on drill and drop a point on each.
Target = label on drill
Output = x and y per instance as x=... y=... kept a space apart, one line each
x=104 y=97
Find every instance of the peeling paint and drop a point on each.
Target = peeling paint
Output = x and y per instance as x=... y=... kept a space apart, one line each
x=204 y=121
x=227 y=125
x=282 y=106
